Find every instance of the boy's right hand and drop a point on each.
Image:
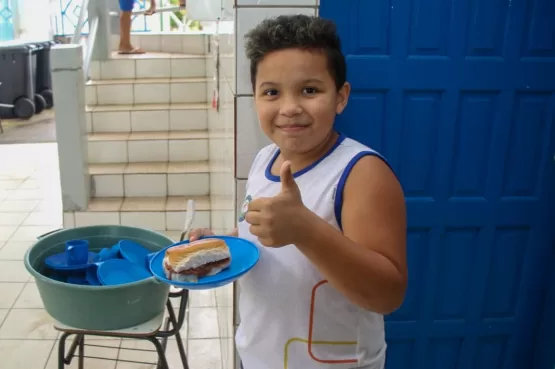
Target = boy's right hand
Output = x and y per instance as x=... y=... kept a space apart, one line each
x=197 y=233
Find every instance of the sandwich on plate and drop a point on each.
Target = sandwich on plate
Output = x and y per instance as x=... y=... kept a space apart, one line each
x=189 y=262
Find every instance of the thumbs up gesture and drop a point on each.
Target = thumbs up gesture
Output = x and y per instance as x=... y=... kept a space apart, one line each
x=277 y=221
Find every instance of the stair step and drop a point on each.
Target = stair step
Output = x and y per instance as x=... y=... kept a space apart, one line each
x=168 y=42
x=149 y=65
x=157 y=55
x=155 y=146
x=156 y=213
x=150 y=179
x=147 y=107
x=147 y=136
x=180 y=167
x=145 y=81
x=147 y=117
x=147 y=91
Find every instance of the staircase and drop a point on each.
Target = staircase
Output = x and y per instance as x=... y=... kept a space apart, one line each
x=148 y=140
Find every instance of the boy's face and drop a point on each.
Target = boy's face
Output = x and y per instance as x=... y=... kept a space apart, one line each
x=296 y=99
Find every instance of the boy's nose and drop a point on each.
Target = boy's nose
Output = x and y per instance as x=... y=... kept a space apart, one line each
x=290 y=108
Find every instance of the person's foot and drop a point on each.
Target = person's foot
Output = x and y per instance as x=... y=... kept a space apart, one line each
x=130 y=50
x=151 y=10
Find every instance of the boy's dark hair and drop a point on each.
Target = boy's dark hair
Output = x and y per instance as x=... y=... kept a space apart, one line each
x=292 y=32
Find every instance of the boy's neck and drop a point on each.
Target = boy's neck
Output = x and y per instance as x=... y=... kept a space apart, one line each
x=301 y=161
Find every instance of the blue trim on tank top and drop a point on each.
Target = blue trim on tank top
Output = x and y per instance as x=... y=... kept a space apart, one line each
x=338 y=202
x=274 y=178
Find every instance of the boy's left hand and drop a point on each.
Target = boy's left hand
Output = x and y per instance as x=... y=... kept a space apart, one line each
x=276 y=221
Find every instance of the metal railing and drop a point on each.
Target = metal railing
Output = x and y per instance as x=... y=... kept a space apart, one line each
x=91 y=40
x=66 y=17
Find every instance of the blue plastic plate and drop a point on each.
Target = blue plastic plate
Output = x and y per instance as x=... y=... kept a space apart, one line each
x=244 y=256
x=59 y=262
x=114 y=272
x=134 y=252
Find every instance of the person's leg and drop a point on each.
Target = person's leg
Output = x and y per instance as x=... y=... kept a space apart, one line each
x=152 y=8
x=125 y=46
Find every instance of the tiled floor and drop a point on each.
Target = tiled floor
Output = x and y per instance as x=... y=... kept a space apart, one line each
x=30 y=205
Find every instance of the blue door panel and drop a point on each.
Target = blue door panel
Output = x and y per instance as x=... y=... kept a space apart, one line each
x=459 y=95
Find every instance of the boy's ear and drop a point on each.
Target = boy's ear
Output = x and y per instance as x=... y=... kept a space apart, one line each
x=342 y=98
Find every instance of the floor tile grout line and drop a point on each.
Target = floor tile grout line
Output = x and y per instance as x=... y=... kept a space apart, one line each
x=52 y=349
x=13 y=304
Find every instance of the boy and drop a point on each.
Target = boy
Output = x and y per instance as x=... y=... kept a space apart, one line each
x=327 y=213
x=126 y=7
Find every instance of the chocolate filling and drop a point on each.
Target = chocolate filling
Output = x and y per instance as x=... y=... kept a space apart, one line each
x=201 y=270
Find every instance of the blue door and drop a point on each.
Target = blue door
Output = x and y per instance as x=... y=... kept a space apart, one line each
x=460 y=96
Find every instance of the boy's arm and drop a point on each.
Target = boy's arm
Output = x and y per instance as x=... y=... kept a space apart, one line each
x=367 y=262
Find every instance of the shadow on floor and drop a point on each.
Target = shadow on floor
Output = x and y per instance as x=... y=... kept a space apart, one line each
x=41 y=128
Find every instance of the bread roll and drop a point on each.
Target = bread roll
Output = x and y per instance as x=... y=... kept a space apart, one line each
x=188 y=262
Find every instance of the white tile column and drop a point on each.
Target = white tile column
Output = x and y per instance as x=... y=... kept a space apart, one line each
x=71 y=126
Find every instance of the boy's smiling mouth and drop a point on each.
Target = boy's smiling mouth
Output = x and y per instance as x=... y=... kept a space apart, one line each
x=292 y=128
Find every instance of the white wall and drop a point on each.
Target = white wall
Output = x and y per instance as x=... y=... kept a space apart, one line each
x=34 y=19
x=249 y=13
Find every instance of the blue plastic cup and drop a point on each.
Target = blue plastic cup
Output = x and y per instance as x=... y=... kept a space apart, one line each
x=77 y=252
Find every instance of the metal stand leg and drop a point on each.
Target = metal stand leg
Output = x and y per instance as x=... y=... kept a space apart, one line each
x=180 y=347
x=78 y=341
x=163 y=362
x=159 y=339
x=62 y=349
x=81 y=351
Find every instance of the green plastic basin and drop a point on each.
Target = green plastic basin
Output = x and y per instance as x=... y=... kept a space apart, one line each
x=98 y=307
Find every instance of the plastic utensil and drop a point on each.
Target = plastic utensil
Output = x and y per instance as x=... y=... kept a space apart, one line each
x=77 y=252
x=133 y=252
x=244 y=256
x=189 y=218
x=107 y=254
x=91 y=275
x=121 y=271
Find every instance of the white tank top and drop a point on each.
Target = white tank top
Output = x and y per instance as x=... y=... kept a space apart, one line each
x=291 y=317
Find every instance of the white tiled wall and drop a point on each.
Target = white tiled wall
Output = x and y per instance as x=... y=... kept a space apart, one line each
x=221 y=126
x=247 y=18
x=250 y=138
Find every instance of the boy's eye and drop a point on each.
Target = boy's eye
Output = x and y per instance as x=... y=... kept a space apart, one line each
x=270 y=92
x=310 y=90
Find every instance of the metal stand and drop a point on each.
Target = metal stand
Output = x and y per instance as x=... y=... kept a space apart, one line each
x=158 y=337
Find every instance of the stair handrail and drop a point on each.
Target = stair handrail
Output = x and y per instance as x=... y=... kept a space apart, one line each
x=76 y=39
x=93 y=20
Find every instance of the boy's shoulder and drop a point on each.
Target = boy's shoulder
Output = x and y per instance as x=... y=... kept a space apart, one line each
x=262 y=157
x=268 y=149
x=266 y=152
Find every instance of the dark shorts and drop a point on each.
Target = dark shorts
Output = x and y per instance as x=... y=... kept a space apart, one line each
x=126 y=5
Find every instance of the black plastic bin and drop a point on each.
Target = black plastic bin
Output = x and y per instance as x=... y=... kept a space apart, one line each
x=17 y=85
x=43 y=77
x=36 y=51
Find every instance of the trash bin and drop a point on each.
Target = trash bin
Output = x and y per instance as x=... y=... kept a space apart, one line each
x=43 y=81
x=16 y=81
x=40 y=101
